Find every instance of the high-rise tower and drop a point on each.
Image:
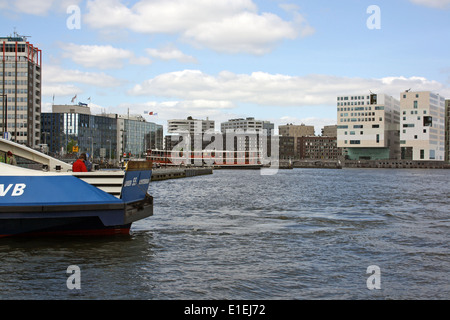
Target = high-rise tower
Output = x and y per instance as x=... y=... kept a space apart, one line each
x=20 y=90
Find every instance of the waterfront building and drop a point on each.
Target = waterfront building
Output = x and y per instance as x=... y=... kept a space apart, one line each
x=190 y=125
x=329 y=131
x=106 y=136
x=135 y=136
x=178 y=129
x=20 y=90
x=368 y=126
x=286 y=148
x=75 y=132
x=248 y=134
x=296 y=131
x=247 y=125
x=318 y=148
x=447 y=130
x=422 y=135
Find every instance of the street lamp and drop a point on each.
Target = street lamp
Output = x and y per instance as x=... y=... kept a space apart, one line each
x=110 y=150
x=5 y=113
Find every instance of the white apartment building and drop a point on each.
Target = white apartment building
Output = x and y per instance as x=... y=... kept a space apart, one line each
x=368 y=126
x=422 y=135
x=250 y=133
x=20 y=90
x=193 y=126
x=247 y=125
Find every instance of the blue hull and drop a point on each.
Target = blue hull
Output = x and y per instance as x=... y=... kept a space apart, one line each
x=64 y=204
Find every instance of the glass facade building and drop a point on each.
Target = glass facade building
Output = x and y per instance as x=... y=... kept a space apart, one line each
x=90 y=133
x=101 y=136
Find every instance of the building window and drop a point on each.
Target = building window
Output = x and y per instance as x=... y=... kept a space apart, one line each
x=378 y=138
x=422 y=154
x=415 y=104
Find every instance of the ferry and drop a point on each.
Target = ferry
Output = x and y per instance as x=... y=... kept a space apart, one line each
x=38 y=203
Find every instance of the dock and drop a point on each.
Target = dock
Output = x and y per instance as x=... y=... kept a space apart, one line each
x=160 y=174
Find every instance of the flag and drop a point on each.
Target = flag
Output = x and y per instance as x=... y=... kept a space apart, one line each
x=152 y=113
x=145 y=112
x=89 y=98
x=73 y=99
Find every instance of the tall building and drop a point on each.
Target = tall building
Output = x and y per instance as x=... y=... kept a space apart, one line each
x=422 y=135
x=20 y=90
x=447 y=130
x=368 y=126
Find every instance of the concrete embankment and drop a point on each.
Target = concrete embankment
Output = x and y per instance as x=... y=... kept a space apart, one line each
x=317 y=164
x=159 y=174
x=399 y=164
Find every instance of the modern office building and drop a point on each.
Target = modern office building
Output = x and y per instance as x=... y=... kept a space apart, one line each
x=422 y=135
x=71 y=126
x=447 y=130
x=135 y=136
x=368 y=126
x=106 y=136
x=20 y=90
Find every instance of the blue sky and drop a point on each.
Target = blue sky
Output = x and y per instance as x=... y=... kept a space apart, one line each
x=283 y=61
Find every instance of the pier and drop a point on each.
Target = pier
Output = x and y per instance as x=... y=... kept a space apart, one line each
x=159 y=174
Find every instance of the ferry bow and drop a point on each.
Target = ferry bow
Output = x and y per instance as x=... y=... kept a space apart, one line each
x=44 y=203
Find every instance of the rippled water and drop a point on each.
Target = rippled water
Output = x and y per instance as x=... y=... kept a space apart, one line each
x=299 y=234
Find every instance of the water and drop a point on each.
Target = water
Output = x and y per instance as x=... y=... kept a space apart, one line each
x=300 y=234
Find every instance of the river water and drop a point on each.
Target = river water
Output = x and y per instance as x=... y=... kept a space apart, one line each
x=236 y=234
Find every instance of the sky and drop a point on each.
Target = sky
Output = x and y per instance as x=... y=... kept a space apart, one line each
x=281 y=61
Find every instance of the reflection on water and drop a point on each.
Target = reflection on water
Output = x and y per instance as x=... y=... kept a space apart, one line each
x=300 y=234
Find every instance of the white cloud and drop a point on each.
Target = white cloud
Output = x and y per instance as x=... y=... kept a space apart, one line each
x=102 y=57
x=61 y=82
x=267 y=89
x=226 y=26
x=39 y=8
x=170 y=53
x=438 y=4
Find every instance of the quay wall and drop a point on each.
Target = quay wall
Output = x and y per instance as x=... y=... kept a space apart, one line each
x=159 y=174
x=394 y=164
x=399 y=164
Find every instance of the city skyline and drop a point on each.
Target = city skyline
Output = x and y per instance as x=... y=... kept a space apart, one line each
x=272 y=60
